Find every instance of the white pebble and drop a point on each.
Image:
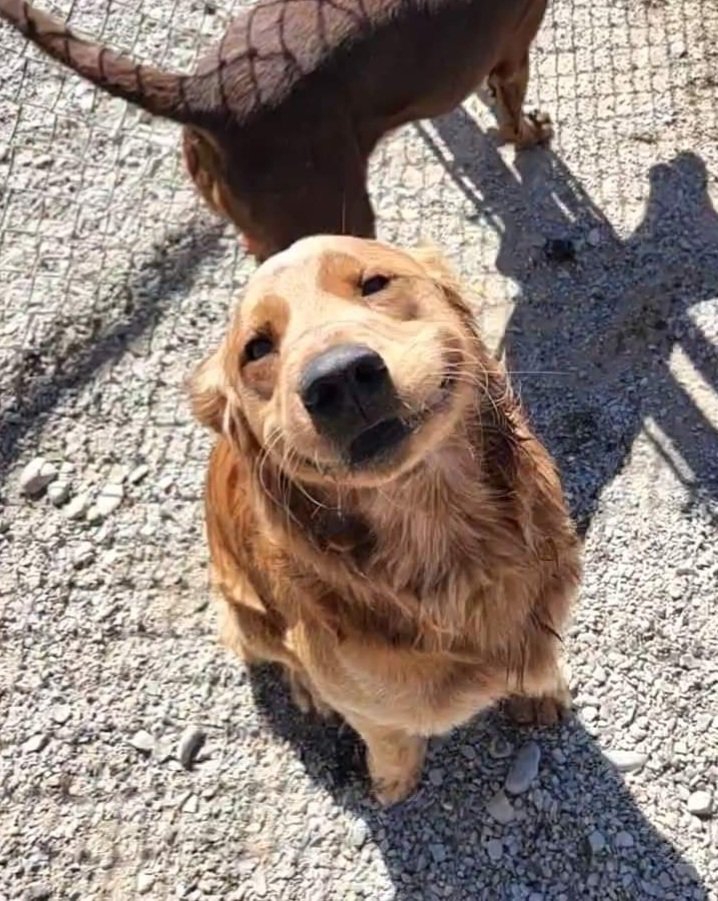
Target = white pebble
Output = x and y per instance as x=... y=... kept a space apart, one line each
x=36 y=476
x=58 y=492
x=145 y=881
x=84 y=553
x=107 y=502
x=700 y=804
x=142 y=741
x=626 y=761
x=137 y=474
x=77 y=507
x=191 y=805
x=358 y=833
x=61 y=713
x=36 y=742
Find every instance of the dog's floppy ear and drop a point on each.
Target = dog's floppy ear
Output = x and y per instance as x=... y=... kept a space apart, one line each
x=207 y=392
x=435 y=264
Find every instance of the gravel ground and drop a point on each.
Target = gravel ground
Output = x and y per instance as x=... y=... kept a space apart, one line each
x=138 y=759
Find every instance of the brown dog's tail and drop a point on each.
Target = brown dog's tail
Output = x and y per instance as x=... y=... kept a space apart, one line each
x=164 y=94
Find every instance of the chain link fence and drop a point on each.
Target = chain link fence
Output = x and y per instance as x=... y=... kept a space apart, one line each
x=593 y=261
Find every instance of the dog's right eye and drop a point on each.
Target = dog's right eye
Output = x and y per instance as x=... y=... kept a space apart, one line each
x=257 y=348
x=374 y=284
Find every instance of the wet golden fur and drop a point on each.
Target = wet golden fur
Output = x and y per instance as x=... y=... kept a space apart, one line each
x=406 y=596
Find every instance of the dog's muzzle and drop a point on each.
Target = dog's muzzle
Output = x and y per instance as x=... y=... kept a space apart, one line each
x=349 y=394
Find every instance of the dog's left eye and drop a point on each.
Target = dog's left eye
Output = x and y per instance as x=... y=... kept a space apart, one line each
x=257 y=348
x=374 y=284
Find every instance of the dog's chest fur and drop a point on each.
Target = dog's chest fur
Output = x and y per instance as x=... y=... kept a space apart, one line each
x=408 y=562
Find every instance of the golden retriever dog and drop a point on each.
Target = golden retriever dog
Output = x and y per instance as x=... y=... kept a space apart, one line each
x=381 y=520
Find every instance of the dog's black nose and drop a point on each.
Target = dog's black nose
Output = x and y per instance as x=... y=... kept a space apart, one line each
x=347 y=389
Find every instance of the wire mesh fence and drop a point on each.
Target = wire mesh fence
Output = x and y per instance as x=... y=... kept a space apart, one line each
x=114 y=283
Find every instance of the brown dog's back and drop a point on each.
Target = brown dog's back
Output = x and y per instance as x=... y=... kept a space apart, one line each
x=273 y=46
x=282 y=115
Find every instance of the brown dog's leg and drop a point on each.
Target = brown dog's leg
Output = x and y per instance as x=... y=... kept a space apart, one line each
x=304 y=696
x=394 y=758
x=508 y=82
x=542 y=710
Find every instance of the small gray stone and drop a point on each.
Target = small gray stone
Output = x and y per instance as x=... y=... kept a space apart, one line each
x=143 y=742
x=58 y=492
x=438 y=852
x=495 y=849
x=189 y=745
x=36 y=476
x=61 y=713
x=436 y=776
x=358 y=833
x=145 y=881
x=700 y=804
x=596 y=842
x=524 y=769
x=594 y=237
x=499 y=748
x=468 y=752
x=499 y=808
x=624 y=840
x=77 y=507
x=83 y=554
x=36 y=742
x=626 y=761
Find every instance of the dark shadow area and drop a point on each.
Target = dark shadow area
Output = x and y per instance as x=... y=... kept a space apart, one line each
x=46 y=374
x=434 y=844
x=590 y=338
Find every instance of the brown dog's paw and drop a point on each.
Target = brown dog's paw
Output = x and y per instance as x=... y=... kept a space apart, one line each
x=534 y=129
x=395 y=763
x=544 y=711
x=393 y=791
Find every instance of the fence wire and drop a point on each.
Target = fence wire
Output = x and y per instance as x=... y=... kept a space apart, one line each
x=114 y=283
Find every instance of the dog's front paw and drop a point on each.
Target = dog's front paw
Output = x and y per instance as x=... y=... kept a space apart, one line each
x=533 y=130
x=395 y=764
x=392 y=791
x=546 y=710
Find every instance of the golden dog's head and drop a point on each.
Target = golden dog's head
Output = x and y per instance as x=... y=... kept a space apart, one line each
x=347 y=360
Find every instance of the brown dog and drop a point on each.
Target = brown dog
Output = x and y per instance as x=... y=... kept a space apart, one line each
x=381 y=520
x=282 y=116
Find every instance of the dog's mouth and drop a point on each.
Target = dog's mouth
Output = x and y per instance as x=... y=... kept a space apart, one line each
x=378 y=441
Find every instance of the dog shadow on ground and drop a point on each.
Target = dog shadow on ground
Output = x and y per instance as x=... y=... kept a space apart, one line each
x=589 y=341
x=590 y=338
x=577 y=833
